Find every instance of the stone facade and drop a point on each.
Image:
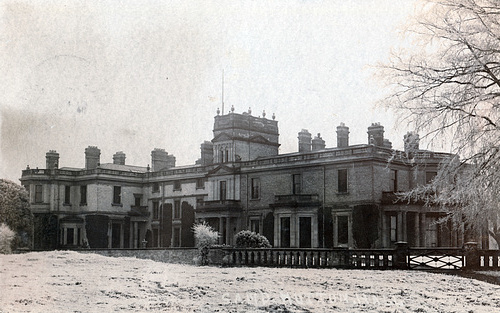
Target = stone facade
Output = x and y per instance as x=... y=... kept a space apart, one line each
x=316 y=197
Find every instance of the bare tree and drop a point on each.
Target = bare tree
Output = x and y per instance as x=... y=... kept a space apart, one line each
x=446 y=85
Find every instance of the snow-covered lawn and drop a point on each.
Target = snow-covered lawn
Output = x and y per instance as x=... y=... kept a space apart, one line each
x=64 y=281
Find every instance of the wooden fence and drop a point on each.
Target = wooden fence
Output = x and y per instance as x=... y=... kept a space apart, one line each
x=401 y=257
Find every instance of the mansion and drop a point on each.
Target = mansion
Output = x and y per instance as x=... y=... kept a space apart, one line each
x=342 y=196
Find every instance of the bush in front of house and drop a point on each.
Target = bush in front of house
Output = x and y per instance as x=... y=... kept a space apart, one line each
x=250 y=239
x=205 y=237
x=6 y=238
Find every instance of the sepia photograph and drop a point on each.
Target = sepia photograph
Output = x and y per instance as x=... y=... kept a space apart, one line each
x=250 y=156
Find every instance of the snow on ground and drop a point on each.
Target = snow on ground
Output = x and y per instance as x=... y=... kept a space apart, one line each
x=64 y=281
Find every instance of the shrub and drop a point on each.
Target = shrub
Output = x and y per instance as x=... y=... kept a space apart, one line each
x=250 y=239
x=6 y=238
x=205 y=237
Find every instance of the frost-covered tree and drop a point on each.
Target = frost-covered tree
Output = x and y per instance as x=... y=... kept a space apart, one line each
x=205 y=237
x=15 y=211
x=446 y=84
x=6 y=238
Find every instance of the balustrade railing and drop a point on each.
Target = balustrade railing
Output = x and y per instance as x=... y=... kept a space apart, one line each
x=402 y=257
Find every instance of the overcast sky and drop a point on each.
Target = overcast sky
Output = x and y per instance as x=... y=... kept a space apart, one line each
x=140 y=75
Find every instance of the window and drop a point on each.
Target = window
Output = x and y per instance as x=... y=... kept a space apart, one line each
x=222 y=190
x=254 y=225
x=199 y=202
x=70 y=235
x=297 y=184
x=394 y=180
x=156 y=234
x=156 y=210
x=285 y=232
x=200 y=183
x=83 y=195
x=343 y=229
x=255 y=188
x=305 y=232
x=177 y=185
x=177 y=237
x=38 y=194
x=221 y=154
x=67 y=194
x=177 y=209
x=342 y=181
x=156 y=187
x=117 y=194
x=137 y=201
x=431 y=234
x=429 y=177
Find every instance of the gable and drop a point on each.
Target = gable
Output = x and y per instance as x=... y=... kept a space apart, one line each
x=223 y=170
x=259 y=139
x=222 y=137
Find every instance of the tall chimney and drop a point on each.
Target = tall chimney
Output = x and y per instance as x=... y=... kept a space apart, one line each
x=411 y=143
x=207 y=153
x=119 y=158
x=160 y=159
x=376 y=134
x=52 y=160
x=318 y=143
x=304 y=141
x=342 y=136
x=387 y=144
x=92 y=157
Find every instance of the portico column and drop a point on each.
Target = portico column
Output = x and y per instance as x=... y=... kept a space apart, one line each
x=405 y=228
x=314 y=232
x=417 y=229
x=136 y=234
x=277 y=227
x=385 y=231
x=228 y=230
x=122 y=235
x=65 y=236
x=75 y=236
x=293 y=231
x=221 y=229
x=350 y=234
x=423 y=228
x=400 y=227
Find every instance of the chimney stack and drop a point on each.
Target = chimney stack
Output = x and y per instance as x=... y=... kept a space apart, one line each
x=207 y=153
x=52 y=160
x=376 y=134
x=342 y=136
x=318 y=143
x=119 y=158
x=92 y=157
x=387 y=144
x=411 y=143
x=160 y=159
x=304 y=141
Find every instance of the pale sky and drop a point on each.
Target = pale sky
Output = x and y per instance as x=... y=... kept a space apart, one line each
x=137 y=75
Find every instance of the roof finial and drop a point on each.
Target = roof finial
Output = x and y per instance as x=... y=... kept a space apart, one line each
x=222 y=91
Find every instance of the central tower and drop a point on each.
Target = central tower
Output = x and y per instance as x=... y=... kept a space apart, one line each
x=243 y=137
